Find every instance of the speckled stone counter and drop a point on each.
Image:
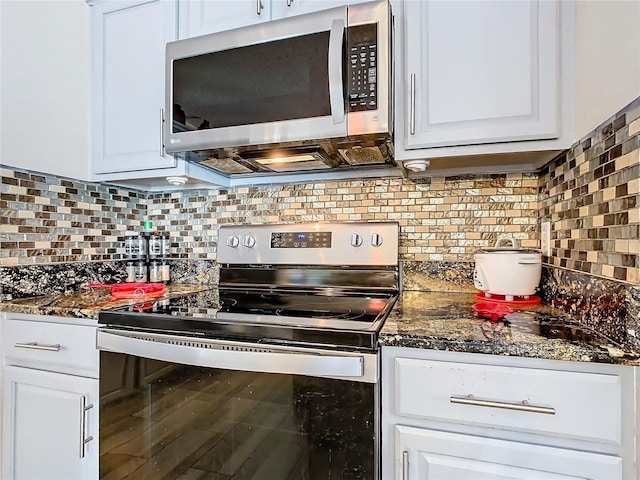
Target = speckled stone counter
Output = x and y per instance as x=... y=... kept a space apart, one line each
x=84 y=304
x=446 y=321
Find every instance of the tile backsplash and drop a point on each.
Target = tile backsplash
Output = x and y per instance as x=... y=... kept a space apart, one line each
x=49 y=220
x=440 y=218
x=590 y=195
x=45 y=219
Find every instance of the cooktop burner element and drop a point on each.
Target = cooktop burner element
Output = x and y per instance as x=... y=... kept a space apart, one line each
x=301 y=304
x=268 y=294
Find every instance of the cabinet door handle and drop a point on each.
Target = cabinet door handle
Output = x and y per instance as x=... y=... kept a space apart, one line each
x=521 y=407
x=162 y=152
x=412 y=105
x=289 y=3
x=405 y=465
x=259 y=6
x=37 y=346
x=83 y=425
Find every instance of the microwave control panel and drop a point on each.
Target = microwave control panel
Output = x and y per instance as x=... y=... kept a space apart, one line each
x=362 y=46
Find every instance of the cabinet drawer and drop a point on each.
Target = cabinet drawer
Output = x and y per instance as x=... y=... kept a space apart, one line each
x=584 y=406
x=55 y=347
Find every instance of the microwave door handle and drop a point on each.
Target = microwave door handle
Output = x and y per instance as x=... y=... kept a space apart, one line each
x=336 y=92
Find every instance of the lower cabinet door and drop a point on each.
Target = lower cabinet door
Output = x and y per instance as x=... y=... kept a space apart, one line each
x=428 y=454
x=50 y=425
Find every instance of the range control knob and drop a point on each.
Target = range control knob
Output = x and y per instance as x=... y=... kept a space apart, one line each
x=249 y=241
x=233 y=241
x=376 y=239
x=356 y=240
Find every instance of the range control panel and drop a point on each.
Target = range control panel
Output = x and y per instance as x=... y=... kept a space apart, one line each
x=301 y=240
x=370 y=244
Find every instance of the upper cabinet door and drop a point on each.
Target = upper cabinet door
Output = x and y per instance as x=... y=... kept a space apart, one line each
x=200 y=17
x=129 y=58
x=290 y=8
x=480 y=72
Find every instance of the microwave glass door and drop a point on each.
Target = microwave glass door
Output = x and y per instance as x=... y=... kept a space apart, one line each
x=269 y=82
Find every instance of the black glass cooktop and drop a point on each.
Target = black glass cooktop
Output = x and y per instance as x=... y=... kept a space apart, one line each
x=319 y=317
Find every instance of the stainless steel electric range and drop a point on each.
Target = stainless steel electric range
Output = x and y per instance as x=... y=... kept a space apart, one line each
x=272 y=375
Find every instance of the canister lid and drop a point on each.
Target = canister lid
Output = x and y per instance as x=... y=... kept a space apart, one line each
x=508 y=245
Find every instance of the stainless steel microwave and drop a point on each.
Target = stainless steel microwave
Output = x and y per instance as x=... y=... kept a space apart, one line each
x=311 y=92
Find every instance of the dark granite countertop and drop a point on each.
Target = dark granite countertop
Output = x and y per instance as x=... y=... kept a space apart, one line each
x=83 y=304
x=426 y=320
x=446 y=321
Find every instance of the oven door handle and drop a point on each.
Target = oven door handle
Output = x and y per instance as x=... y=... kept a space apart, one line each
x=234 y=356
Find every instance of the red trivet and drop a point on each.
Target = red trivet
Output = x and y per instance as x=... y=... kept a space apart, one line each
x=531 y=300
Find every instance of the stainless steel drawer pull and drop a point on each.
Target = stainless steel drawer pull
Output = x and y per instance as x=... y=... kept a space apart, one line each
x=405 y=465
x=37 y=346
x=522 y=406
x=83 y=425
x=259 y=6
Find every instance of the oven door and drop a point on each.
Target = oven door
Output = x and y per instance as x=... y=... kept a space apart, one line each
x=173 y=406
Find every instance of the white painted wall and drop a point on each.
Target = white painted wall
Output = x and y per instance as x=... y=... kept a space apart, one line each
x=607 y=60
x=45 y=86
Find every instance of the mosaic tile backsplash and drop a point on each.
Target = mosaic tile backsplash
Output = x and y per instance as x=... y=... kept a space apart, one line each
x=45 y=219
x=440 y=218
x=591 y=195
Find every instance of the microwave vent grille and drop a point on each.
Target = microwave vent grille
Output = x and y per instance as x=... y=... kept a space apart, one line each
x=362 y=155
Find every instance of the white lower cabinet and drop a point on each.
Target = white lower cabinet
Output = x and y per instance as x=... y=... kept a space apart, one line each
x=429 y=454
x=451 y=415
x=49 y=398
x=50 y=425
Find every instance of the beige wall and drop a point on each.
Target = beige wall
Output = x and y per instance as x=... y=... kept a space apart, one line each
x=45 y=86
x=607 y=60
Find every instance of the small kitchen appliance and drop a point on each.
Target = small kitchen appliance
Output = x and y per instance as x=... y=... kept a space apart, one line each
x=507 y=270
x=274 y=374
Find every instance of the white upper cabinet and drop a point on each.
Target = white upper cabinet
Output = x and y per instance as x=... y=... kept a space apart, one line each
x=201 y=17
x=129 y=43
x=480 y=77
x=290 y=8
x=482 y=71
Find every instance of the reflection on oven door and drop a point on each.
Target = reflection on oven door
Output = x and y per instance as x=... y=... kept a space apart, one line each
x=169 y=421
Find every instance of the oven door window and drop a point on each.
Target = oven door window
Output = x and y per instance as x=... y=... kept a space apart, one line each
x=160 y=420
